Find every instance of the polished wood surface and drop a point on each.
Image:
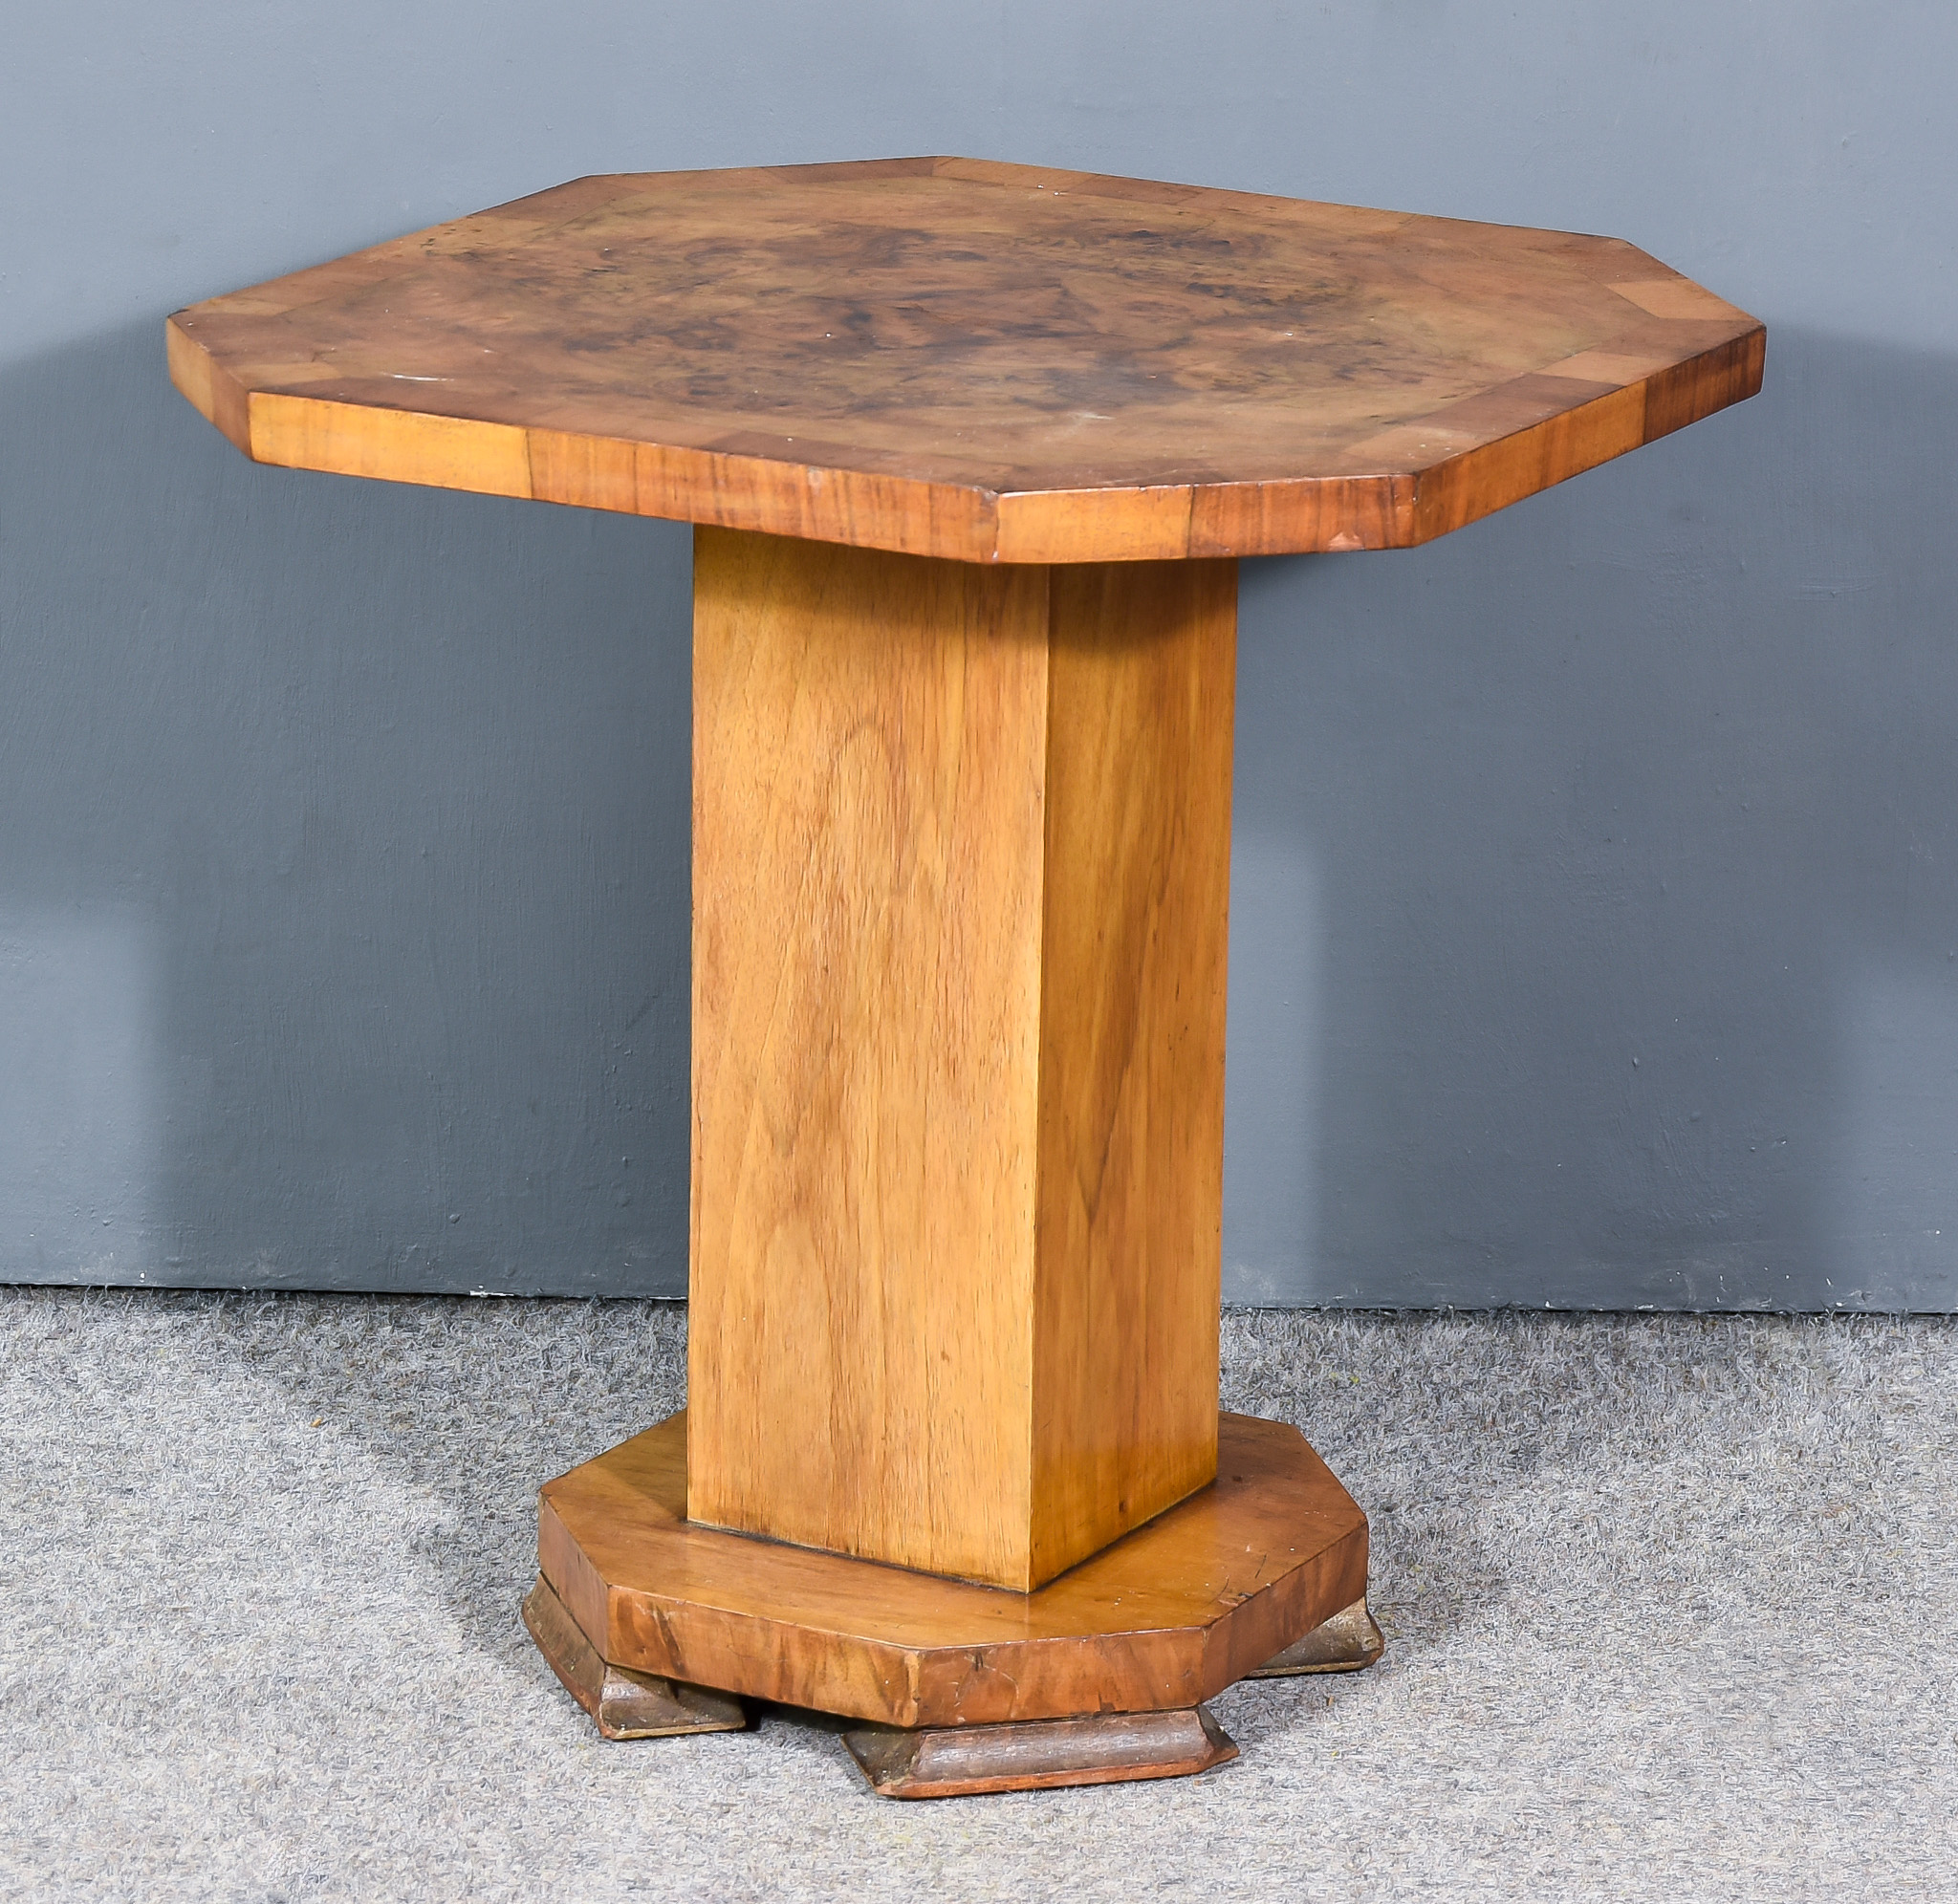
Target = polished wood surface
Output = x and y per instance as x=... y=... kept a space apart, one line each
x=955 y=357
x=961 y=866
x=1165 y=1618
x=1035 y=1755
x=868 y=741
x=1134 y=940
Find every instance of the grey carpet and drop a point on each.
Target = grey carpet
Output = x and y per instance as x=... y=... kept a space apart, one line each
x=1670 y=1606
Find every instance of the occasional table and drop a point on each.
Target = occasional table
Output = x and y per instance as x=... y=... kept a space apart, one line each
x=971 y=450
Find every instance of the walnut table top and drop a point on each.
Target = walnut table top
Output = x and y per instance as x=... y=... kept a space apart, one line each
x=993 y=362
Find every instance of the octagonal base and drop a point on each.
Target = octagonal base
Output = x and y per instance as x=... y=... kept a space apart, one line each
x=1159 y=1621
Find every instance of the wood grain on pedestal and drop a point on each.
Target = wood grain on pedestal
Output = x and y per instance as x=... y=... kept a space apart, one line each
x=949 y=357
x=961 y=877
x=868 y=762
x=1136 y=905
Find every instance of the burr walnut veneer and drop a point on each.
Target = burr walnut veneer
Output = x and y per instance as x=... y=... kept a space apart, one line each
x=971 y=449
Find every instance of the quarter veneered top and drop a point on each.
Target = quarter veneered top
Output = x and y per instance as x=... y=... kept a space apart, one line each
x=987 y=361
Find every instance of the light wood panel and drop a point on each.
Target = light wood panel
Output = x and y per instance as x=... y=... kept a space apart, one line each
x=1162 y=1620
x=869 y=737
x=990 y=363
x=961 y=883
x=1135 y=925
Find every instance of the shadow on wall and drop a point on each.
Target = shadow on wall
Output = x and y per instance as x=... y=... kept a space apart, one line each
x=343 y=866
x=1594 y=929
x=1594 y=936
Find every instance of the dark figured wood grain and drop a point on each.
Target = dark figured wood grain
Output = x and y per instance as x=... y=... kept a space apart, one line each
x=1164 y=1618
x=995 y=362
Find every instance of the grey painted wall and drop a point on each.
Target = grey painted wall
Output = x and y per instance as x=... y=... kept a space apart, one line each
x=1595 y=937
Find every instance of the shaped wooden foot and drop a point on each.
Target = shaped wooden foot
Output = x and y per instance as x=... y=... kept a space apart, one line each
x=624 y=1704
x=1346 y=1643
x=961 y=1761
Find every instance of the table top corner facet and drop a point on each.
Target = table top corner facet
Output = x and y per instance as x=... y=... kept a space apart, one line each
x=957 y=358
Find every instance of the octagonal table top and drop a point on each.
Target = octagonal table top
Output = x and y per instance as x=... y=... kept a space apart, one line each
x=958 y=358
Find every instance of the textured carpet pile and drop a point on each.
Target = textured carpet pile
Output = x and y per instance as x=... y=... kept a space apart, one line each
x=1671 y=1609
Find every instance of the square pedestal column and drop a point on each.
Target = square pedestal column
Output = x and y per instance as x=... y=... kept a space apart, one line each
x=961 y=874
